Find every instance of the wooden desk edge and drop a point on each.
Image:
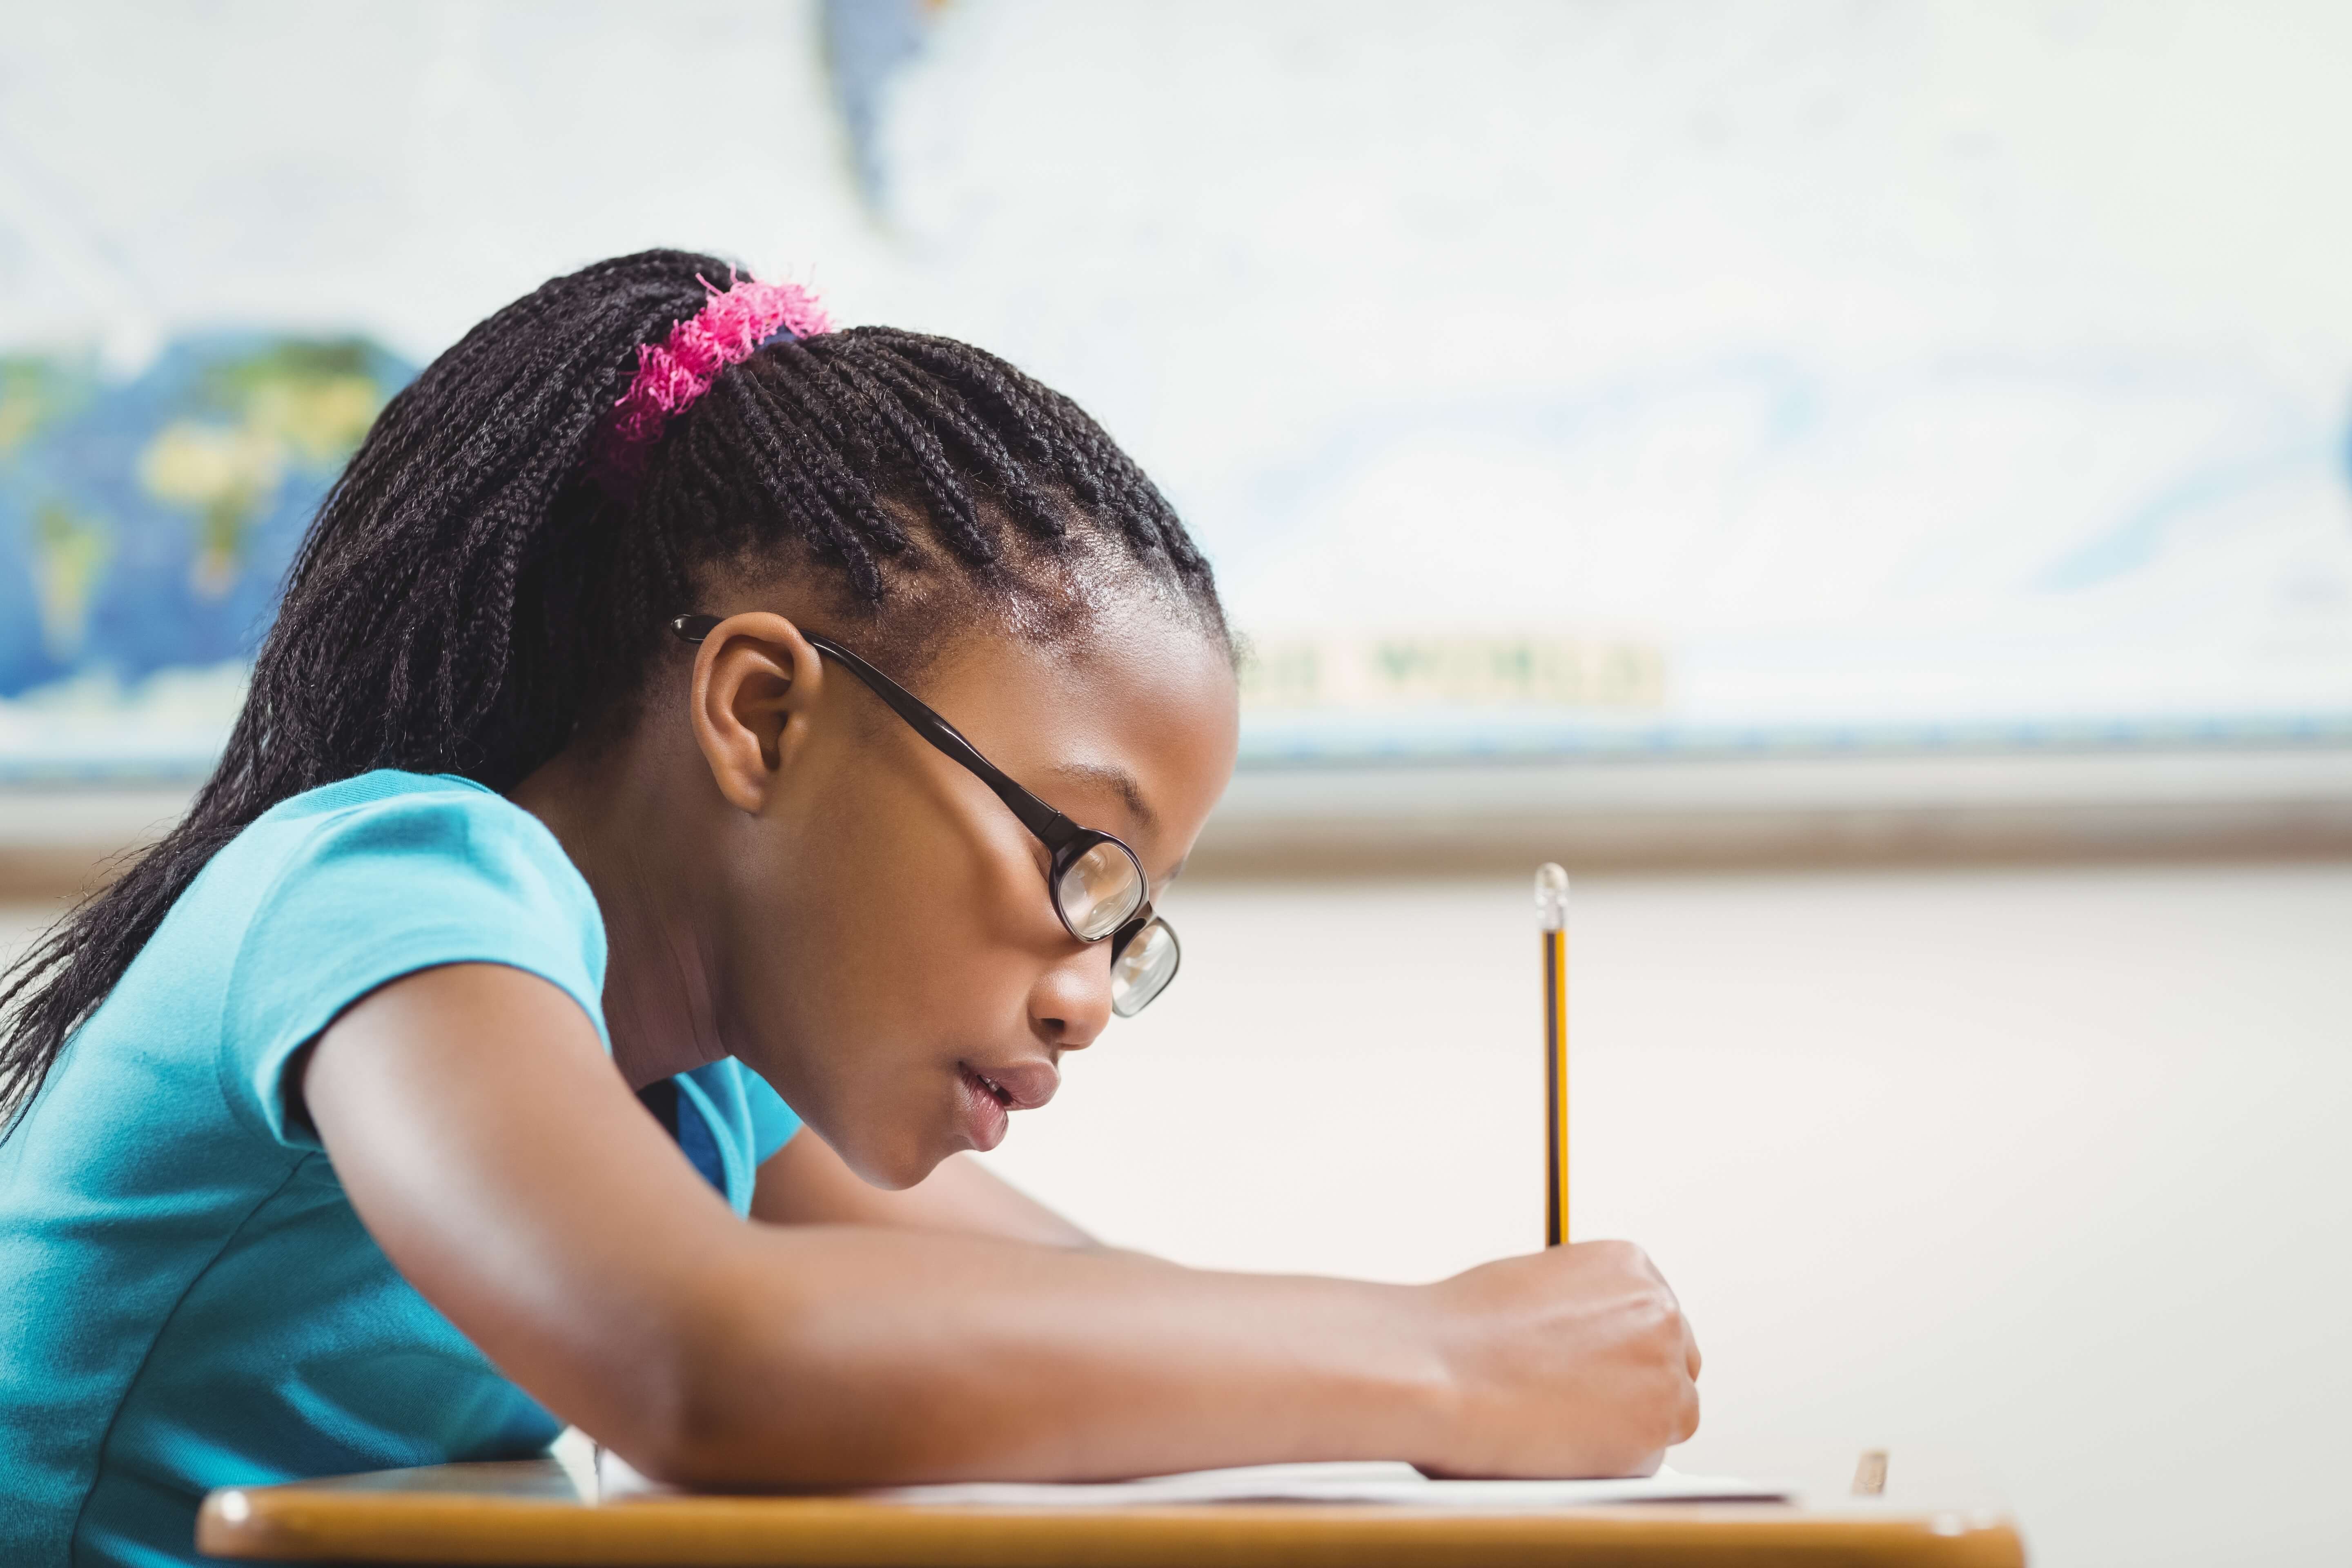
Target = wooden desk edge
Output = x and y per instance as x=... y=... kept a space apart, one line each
x=473 y=1520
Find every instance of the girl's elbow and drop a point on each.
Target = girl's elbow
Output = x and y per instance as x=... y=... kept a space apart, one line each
x=731 y=1407
x=682 y=1437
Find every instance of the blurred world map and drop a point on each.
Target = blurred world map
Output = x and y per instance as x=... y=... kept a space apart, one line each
x=1542 y=380
x=145 y=526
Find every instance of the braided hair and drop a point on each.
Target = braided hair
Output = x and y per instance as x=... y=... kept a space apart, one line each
x=471 y=598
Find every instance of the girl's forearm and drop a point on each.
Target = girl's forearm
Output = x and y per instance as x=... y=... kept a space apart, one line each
x=839 y=1355
x=806 y=1182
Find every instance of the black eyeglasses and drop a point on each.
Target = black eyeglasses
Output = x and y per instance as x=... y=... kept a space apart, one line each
x=1097 y=884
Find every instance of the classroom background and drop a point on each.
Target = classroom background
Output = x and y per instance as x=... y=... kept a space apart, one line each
x=1867 y=487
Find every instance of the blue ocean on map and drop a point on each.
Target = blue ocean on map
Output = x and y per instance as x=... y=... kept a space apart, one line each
x=146 y=525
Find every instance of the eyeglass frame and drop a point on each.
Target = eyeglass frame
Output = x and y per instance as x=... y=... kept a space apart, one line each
x=1065 y=840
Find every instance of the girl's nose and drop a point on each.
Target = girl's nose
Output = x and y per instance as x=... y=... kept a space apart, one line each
x=1071 y=1002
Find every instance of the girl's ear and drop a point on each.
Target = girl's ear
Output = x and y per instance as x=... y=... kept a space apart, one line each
x=756 y=680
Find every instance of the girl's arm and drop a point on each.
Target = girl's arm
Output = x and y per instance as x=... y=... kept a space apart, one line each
x=492 y=1150
x=806 y=1182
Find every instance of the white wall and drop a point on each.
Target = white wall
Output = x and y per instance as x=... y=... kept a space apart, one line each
x=2037 y=1178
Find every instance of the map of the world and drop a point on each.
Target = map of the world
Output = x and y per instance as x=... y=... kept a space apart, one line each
x=145 y=526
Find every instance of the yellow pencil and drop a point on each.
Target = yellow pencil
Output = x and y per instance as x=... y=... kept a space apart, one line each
x=1552 y=918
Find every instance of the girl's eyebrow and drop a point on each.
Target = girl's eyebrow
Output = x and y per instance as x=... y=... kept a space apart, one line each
x=1119 y=780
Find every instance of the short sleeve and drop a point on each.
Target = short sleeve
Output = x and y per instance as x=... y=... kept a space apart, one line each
x=772 y=1121
x=450 y=874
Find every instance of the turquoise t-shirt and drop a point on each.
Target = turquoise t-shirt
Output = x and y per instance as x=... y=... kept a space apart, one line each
x=187 y=1300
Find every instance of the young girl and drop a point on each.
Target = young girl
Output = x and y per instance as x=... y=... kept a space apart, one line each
x=706 y=765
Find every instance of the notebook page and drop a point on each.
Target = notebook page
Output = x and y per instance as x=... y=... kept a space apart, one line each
x=1381 y=1483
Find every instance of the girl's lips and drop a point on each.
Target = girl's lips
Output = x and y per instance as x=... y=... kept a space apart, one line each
x=1020 y=1086
x=986 y=1119
x=991 y=1095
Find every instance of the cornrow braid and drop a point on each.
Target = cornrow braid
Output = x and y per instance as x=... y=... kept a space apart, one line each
x=469 y=599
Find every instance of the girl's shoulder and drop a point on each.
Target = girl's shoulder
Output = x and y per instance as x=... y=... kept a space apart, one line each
x=341 y=889
x=389 y=797
x=388 y=864
x=379 y=833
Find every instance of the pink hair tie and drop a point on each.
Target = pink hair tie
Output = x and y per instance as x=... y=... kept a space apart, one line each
x=731 y=327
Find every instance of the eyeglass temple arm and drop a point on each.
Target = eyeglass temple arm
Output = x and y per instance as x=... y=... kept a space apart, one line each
x=1038 y=817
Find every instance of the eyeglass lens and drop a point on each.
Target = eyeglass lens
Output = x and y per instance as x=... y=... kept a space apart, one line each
x=1142 y=969
x=1100 y=891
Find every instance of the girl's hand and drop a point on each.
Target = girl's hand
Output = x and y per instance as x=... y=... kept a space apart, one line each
x=1573 y=1362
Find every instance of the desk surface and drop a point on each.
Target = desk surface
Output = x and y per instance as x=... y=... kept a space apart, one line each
x=530 y=1512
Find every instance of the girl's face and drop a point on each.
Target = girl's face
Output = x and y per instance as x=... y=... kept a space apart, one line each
x=889 y=955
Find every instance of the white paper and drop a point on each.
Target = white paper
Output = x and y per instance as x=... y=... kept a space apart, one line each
x=1383 y=1483
x=1336 y=1483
